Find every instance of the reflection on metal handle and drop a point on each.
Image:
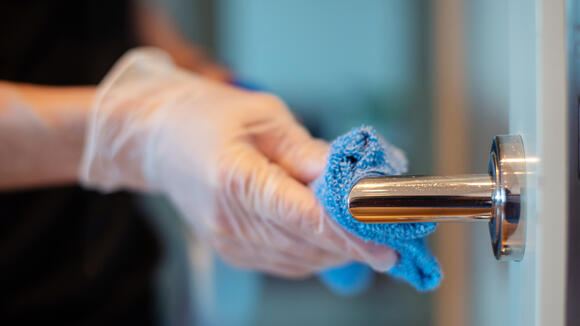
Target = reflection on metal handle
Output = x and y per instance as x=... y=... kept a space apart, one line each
x=400 y=199
x=493 y=197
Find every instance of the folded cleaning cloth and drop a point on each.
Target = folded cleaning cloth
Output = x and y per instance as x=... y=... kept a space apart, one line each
x=358 y=154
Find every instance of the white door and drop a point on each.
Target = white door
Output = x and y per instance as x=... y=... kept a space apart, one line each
x=532 y=291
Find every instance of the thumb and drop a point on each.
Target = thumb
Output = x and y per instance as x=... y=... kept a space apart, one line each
x=290 y=146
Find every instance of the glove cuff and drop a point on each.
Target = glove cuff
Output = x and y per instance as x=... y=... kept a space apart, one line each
x=124 y=115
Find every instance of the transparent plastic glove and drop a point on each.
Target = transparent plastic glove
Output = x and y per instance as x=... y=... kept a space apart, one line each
x=235 y=163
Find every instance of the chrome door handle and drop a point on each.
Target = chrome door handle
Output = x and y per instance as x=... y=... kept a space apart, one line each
x=493 y=197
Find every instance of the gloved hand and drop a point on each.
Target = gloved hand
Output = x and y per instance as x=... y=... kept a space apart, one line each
x=235 y=163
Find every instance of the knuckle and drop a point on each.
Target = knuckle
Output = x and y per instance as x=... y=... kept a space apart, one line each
x=270 y=99
x=271 y=102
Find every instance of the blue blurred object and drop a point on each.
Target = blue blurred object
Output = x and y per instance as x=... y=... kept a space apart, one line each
x=349 y=279
x=358 y=154
x=247 y=85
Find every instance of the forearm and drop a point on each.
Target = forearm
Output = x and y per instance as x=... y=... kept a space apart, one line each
x=41 y=134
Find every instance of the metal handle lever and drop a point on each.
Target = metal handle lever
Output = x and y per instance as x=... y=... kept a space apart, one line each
x=492 y=197
x=403 y=199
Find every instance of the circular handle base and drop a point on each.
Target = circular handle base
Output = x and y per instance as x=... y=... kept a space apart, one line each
x=507 y=167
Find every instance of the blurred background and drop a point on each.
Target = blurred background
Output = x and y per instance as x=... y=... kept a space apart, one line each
x=431 y=76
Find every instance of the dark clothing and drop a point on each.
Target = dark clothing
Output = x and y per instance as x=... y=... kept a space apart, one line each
x=67 y=255
x=63 y=42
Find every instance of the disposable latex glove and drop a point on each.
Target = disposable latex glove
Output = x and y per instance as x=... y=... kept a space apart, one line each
x=235 y=163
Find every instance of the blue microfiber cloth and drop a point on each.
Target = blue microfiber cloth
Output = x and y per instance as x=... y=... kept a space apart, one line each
x=358 y=154
x=348 y=279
